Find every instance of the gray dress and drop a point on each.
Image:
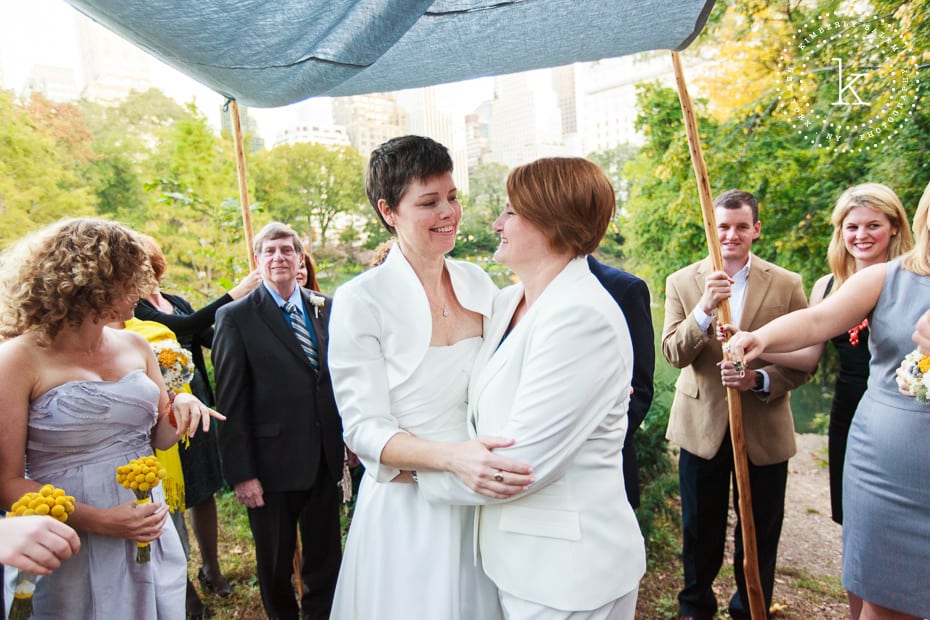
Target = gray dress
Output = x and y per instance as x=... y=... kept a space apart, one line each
x=886 y=484
x=79 y=432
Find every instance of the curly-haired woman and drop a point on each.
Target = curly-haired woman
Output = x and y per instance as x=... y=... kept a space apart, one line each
x=80 y=399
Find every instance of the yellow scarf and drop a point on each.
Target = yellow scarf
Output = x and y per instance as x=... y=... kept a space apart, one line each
x=173 y=482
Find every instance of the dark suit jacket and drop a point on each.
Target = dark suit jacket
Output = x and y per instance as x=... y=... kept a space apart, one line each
x=281 y=412
x=632 y=295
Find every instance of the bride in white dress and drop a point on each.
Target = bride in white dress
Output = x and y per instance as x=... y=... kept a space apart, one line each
x=403 y=337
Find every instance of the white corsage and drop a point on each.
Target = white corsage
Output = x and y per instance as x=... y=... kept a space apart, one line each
x=175 y=363
x=317 y=302
x=913 y=376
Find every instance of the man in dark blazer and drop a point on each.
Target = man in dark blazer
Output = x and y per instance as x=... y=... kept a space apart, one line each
x=632 y=295
x=282 y=442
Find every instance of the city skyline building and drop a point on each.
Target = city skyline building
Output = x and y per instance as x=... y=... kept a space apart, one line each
x=251 y=132
x=112 y=66
x=370 y=120
x=477 y=133
x=526 y=122
x=608 y=88
x=426 y=118
x=54 y=83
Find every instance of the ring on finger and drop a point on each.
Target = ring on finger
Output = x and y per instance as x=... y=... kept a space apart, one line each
x=499 y=476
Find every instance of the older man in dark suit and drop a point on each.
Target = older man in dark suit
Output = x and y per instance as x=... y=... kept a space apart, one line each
x=282 y=442
x=632 y=295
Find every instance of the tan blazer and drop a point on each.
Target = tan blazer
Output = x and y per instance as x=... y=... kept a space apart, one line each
x=559 y=385
x=698 y=420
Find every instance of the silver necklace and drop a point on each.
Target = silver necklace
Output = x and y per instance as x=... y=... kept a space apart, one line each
x=442 y=310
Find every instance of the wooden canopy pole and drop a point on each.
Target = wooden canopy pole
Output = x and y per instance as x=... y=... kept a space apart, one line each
x=243 y=185
x=740 y=460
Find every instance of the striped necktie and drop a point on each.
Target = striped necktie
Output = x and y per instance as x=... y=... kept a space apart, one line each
x=302 y=334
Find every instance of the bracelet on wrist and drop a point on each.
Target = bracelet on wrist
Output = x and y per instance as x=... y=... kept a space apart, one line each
x=171 y=419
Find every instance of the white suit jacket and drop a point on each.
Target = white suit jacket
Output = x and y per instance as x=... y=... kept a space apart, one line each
x=379 y=332
x=559 y=385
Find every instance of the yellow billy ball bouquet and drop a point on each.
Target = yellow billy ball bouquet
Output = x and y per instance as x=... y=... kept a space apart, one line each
x=47 y=501
x=141 y=475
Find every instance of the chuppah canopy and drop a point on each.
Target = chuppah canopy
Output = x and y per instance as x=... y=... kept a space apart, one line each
x=268 y=53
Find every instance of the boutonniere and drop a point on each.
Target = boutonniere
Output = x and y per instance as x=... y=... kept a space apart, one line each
x=317 y=302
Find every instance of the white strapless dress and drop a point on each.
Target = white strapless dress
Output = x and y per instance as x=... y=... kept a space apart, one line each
x=406 y=558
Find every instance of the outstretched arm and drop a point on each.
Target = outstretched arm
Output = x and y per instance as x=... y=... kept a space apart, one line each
x=834 y=315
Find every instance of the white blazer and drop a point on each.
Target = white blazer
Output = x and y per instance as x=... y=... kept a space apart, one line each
x=559 y=385
x=379 y=332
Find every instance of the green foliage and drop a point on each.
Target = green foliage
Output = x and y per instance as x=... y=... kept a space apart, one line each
x=310 y=186
x=658 y=512
x=764 y=147
x=39 y=168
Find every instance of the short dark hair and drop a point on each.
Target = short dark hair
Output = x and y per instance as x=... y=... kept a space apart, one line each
x=396 y=163
x=735 y=199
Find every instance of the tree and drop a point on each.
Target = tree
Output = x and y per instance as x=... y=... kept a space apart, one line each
x=794 y=145
x=38 y=180
x=612 y=162
x=309 y=184
x=125 y=139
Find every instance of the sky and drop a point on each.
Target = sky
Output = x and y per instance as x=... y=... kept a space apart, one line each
x=43 y=32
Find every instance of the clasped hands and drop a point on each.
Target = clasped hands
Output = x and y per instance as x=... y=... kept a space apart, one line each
x=483 y=471
x=741 y=348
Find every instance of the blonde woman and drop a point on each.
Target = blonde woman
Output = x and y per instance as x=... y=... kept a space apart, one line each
x=869 y=227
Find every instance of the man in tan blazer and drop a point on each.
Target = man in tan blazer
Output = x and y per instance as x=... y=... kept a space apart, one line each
x=758 y=292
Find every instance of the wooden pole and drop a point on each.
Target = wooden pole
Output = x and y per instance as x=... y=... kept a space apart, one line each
x=740 y=460
x=243 y=185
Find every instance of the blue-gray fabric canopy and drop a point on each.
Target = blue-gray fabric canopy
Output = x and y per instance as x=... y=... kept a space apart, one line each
x=273 y=52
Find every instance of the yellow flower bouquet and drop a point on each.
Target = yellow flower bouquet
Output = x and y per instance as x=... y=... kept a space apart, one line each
x=175 y=363
x=141 y=475
x=47 y=501
x=913 y=376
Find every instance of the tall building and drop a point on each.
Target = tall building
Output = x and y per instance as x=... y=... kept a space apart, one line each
x=320 y=134
x=425 y=118
x=54 y=83
x=608 y=89
x=247 y=123
x=565 y=86
x=477 y=132
x=370 y=120
x=526 y=121
x=112 y=66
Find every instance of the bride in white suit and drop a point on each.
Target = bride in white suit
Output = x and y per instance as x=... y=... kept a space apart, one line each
x=403 y=337
x=554 y=374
